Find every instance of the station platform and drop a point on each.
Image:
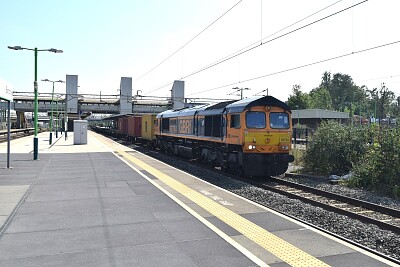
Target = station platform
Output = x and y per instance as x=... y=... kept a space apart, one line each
x=104 y=204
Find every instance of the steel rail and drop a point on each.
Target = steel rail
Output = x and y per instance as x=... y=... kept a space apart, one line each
x=349 y=200
x=325 y=206
x=319 y=228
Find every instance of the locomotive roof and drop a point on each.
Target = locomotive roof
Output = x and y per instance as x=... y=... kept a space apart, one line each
x=182 y=112
x=231 y=106
x=210 y=109
x=215 y=109
x=220 y=105
x=268 y=100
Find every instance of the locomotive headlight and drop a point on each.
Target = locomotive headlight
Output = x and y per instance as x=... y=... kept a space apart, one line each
x=284 y=147
x=251 y=147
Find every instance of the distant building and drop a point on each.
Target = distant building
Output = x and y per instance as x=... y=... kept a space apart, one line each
x=312 y=117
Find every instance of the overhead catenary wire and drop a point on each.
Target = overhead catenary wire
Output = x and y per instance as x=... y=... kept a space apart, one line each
x=379 y=78
x=272 y=34
x=276 y=38
x=252 y=44
x=299 y=67
x=257 y=44
x=197 y=35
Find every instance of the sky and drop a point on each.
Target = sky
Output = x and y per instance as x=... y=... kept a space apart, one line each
x=106 y=40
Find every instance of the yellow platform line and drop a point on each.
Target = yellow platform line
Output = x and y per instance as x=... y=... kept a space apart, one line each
x=270 y=242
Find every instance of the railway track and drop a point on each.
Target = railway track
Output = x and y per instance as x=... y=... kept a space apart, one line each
x=4 y=138
x=384 y=217
x=15 y=133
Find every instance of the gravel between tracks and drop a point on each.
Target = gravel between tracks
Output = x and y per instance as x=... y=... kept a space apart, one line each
x=383 y=241
x=368 y=196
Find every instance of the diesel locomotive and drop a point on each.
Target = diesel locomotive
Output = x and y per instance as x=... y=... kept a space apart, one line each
x=249 y=137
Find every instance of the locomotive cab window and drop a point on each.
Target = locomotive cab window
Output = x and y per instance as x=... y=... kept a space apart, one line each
x=255 y=119
x=279 y=120
x=235 y=121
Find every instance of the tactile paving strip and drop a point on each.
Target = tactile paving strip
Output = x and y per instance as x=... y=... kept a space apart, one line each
x=275 y=245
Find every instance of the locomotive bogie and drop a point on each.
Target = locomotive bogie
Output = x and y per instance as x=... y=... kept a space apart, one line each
x=265 y=164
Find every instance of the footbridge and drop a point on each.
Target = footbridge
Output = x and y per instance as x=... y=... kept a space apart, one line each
x=73 y=105
x=88 y=103
x=76 y=104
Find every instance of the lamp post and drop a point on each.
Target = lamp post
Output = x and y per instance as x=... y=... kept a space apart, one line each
x=58 y=118
x=35 y=87
x=52 y=109
x=65 y=118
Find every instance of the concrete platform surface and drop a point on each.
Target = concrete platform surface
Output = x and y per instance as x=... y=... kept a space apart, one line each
x=104 y=204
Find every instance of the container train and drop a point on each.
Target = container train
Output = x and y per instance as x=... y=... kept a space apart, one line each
x=249 y=137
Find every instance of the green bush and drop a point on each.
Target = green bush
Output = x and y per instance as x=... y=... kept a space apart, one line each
x=370 y=152
x=379 y=168
x=335 y=148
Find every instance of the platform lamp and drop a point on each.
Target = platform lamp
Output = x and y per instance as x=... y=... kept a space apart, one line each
x=52 y=109
x=58 y=117
x=35 y=87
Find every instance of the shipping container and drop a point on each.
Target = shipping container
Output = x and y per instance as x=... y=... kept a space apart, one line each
x=122 y=127
x=134 y=123
x=125 y=126
x=148 y=126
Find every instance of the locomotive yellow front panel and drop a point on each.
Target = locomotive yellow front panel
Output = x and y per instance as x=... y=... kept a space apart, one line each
x=267 y=142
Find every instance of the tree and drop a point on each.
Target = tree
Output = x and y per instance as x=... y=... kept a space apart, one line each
x=298 y=99
x=386 y=99
x=345 y=95
x=320 y=98
x=342 y=91
x=381 y=101
x=362 y=106
x=394 y=108
x=326 y=80
x=373 y=100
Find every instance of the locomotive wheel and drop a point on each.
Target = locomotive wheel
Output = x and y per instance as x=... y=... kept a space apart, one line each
x=241 y=172
x=211 y=163
x=163 y=149
x=225 y=167
x=204 y=159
